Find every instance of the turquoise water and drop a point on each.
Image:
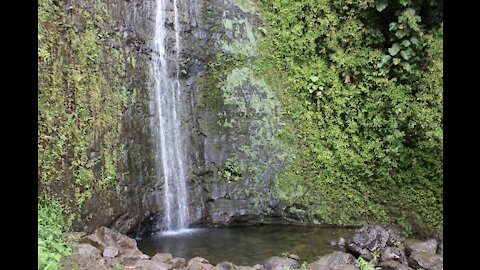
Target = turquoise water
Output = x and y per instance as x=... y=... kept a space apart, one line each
x=245 y=245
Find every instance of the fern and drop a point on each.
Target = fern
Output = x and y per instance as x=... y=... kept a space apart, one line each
x=364 y=265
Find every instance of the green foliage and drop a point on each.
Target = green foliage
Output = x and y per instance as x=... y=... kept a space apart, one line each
x=285 y=254
x=406 y=53
x=376 y=255
x=364 y=265
x=81 y=100
x=117 y=265
x=381 y=5
x=360 y=84
x=52 y=222
x=231 y=172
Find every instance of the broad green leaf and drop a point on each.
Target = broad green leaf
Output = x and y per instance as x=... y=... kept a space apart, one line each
x=386 y=58
x=394 y=49
x=415 y=41
x=406 y=43
x=396 y=61
x=381 y=5
x=407 y=67
x=405 y=2
x=400 y=33
x=393 y=26
x=50 y=265
x=314 y=78
x=411 y=52
x=405 y=54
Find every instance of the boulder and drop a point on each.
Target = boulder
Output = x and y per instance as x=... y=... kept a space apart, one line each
x=112 y=243
x=394 y=253
x=426 y=261
x=135 y=257
x=82 y=262
x=332 y=261
x=257 y=267
x=225 y=266
x=348 y=267
x=294 y=256
x=414 y=245
x=150 y=265
x=129 y=261
x=280 y=263
x=110 y=252
x=368 y=239
x=178 y=262
x=439 y=238
x=393 y=265
x=163 y=257
x=199 y=263
x=393 y=235
x=198 y=260
x=86 y=250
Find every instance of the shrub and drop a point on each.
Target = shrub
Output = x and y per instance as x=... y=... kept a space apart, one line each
x=362 y=96
x=52 y=223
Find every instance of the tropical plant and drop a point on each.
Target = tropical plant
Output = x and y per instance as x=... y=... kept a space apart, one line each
x=52 y=223
x=364 y=265
x=361 y=87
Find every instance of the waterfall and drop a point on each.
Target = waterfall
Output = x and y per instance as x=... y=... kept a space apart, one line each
x=170 y=142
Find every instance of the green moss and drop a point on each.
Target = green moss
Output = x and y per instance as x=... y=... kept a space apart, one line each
x=231 y=171
x=245 y=41
x=253 y=108
x=228 y=24
x=247 y=6
x=81 y=99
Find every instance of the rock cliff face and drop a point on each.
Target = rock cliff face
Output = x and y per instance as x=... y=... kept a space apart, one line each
x=234 y=113
x=131 y=21
x=231 y=116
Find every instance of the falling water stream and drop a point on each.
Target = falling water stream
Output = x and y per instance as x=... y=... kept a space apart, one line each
x=167 y=125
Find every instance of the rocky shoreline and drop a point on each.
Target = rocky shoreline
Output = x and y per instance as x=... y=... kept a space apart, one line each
x=379 y=244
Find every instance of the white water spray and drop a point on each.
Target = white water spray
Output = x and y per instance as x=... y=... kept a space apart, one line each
x=167 y=125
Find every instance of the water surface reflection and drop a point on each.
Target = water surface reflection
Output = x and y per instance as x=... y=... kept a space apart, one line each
x=245 y=245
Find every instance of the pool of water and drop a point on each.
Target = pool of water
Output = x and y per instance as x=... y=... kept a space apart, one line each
x=245 y=245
